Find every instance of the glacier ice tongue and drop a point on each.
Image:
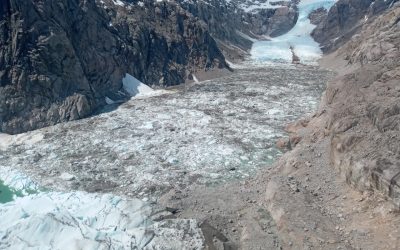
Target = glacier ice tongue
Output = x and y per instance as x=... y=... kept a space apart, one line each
x=277 y=49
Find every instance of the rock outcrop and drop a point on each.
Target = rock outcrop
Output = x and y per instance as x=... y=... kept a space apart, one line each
x=317 y=16
x=59 y=60
x=364 y=108
x=345 y=19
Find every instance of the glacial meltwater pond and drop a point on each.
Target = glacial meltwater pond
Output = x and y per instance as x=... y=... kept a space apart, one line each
x=6 y=193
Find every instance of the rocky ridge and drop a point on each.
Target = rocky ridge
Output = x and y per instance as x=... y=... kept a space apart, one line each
x=364 y=108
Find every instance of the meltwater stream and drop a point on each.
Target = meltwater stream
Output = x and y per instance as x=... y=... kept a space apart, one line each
x=277 y=49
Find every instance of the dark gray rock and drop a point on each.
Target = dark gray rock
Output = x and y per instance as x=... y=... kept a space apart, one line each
x=228 y=22
x=60 y=59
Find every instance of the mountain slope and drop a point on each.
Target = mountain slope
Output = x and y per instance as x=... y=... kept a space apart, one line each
x=352 y=138
x=60 y=60
x=364 y=107
x=345 y=19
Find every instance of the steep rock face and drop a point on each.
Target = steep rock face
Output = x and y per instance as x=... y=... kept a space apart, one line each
x=60 y=59
x=274 y=22
x=345 y=19
x=364 y=108
x=221 y=18
x=317 y=16
x=231 y=23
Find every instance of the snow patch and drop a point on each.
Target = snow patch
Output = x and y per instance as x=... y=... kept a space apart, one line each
x=109 y=101
x=254 y=6
x=134 y=87
x=195 y=79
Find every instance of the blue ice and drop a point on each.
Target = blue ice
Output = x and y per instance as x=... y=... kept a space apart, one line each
x=277 y=49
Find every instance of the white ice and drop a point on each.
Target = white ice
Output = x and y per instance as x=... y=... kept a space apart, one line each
x=134 y=87
x=278 y=49
x=80 y=220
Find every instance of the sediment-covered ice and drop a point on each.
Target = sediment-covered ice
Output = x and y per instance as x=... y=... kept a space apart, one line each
x=207 y=132
x=278 y=48
x=79 y=220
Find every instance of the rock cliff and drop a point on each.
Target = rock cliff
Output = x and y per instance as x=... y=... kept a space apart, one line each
x=345 y=19
x=60 y=59
x=364 y=107
x=235 y=24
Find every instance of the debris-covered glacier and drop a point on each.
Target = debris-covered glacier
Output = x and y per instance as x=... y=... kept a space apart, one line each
x=206 y=132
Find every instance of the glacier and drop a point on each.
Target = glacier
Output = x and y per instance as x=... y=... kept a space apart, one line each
x=101 y=177
x=94 y=183
x=277 y=49
x=206 y=133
